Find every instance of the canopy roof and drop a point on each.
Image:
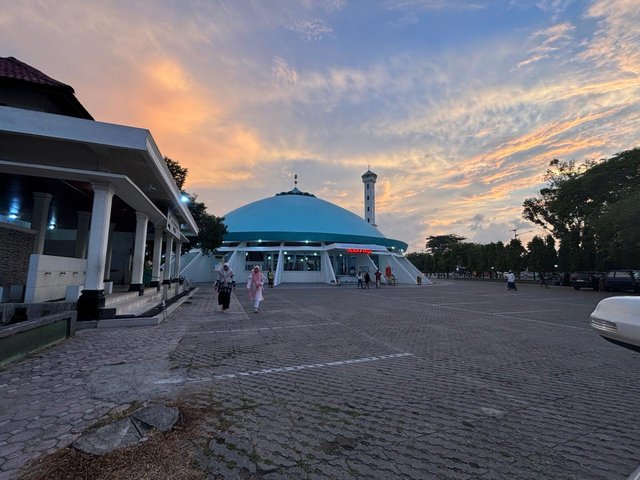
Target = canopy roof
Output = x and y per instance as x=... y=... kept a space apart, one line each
x=298 y=216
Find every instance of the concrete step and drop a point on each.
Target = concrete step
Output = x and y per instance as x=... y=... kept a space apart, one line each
x=132 y=303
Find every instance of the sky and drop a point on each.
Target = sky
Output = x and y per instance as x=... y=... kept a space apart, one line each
x=457 y=105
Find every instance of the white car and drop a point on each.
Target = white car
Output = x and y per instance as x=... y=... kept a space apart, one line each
x=617 y=319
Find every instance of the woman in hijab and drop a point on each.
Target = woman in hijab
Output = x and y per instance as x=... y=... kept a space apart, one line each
x=224 y=285
x=255 y=284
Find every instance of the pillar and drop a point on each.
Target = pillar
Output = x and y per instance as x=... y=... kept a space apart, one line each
x=107 y=262
x=92 y=297
x=82 y=233
x=176 y=268
x=167 y=258
x=137 y=269
x=157 y=256
x=41 y=202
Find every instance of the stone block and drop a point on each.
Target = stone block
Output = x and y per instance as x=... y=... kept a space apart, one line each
x=121 y=433
x=158 y=416
x=73 y=293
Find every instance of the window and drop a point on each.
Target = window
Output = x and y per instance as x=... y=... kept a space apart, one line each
x=367 y=209
x=367 y=186
x=367 y=198
x=303 y=262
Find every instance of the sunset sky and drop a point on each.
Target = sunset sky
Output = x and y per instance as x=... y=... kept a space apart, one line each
x=457 y=105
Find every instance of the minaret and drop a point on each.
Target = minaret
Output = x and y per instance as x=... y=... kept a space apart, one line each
x=369 y=180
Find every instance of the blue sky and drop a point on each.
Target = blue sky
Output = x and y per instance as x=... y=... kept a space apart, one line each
x=458 y=106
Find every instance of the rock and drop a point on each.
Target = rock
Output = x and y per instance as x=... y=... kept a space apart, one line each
x=118 y=434
x=158 y=416
x=127 y=431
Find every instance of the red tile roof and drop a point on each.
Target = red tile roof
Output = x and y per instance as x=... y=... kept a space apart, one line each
x=14 y=69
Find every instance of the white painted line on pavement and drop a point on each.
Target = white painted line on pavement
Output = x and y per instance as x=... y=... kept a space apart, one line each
x=307 y=367
x=528 y=311
x=262 y=328
x=500 y=314
x=294 y=368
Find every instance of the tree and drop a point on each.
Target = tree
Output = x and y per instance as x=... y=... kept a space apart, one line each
x=592 y=209
x=211 y=228
x=439 y=244
x=178 y=173
x=550 y=254
x=537 y=251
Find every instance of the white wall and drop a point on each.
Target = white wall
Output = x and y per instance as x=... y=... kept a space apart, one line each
x=302 y=277
x=49 y=276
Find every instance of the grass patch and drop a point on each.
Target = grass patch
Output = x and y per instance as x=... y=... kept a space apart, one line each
x=164 y=455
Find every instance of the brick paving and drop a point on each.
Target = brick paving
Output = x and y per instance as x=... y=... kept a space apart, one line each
x=459 y=380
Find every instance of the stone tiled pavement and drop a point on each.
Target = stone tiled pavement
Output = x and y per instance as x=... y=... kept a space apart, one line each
x=459 y=380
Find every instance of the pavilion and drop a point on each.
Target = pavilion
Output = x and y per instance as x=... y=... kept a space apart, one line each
x=79 y=200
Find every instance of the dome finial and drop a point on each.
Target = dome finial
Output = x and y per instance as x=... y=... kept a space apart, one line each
x=295 y=181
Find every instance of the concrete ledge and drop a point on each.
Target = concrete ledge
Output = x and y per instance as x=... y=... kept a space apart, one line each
x=21 y=339
x=145 y=321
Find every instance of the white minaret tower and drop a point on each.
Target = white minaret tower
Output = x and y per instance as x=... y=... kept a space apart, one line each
x=369 y=180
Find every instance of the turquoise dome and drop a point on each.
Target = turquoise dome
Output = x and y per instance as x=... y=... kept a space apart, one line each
x=297 y=216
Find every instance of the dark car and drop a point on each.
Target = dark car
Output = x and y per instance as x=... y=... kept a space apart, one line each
x=586 y=280
x=622 y=280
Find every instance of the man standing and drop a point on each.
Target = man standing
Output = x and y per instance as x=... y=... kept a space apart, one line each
x=378 y=276
x=511 y=281
x=360 y=278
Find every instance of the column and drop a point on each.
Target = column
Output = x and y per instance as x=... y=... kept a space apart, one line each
x=107 y=262
x=137 y=269
x=92 y=297
x=176 y=268
x=157 y=256
x=167 y=258
x=41 y=202
x=82 y=233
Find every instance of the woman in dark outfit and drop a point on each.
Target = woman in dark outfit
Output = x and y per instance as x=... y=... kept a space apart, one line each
x=224 y=285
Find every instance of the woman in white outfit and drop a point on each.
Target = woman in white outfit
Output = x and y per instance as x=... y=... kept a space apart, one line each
x=255 y=285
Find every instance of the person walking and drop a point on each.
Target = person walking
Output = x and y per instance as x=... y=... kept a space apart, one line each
x=224 y=284
x=378 y=276
x=255 y=286
x=367 y=279
x=511 y=281
x=270 y=278
x=360 y=278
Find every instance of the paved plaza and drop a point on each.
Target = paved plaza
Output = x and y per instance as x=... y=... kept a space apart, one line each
x=457 y=380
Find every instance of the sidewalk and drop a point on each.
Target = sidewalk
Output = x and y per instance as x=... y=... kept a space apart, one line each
x=49 y=398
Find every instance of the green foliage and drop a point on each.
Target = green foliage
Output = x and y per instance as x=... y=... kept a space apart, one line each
x=178 y=173
x=593 y=210
x=440 y=244
x=211 y=228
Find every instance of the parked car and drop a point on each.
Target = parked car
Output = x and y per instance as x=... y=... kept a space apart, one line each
x=622 y=280
x=586 y=280
x=617 y=319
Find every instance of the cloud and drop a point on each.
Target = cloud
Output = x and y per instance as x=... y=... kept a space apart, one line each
x=244 y=94
x=554 y=40
x=615 y=42
x=309 y=30
x=283 y=74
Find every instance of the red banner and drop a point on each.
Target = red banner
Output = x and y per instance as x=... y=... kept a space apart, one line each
x=359 y=250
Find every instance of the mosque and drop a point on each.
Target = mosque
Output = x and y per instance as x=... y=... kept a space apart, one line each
x=304 y=239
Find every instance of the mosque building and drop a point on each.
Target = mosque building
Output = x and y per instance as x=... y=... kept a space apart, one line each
x=304 y=239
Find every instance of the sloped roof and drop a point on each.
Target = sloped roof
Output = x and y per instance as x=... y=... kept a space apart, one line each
x=13 y=70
